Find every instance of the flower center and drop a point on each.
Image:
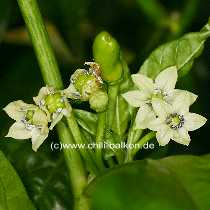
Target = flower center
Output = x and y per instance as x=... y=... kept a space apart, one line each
x=158 y=93
x=29 y=116
x=28 y=120
x=175 y=121
x=54 y=102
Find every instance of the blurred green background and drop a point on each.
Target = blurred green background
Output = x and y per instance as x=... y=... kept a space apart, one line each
x=138 y=25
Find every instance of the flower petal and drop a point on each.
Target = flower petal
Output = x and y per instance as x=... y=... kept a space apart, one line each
x=167 y=79
x=136 y=98
x=56 y=117
x=38 y=137
x=44 y=91
x=40 y=118
x=144 y=116
x=181 y=136
x=19 y=131
x=67 y=111
x=143 y=82
x=155 y=124
x=161 y=108
x=164 y=135
x=71 y=92
x=16 y=110
x=182 y=100
x=194 y=121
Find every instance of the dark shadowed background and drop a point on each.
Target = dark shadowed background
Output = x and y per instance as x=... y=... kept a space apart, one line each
x=138 y=25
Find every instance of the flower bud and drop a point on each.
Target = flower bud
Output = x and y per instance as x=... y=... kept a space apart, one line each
x=106 y=52
x=85 y=83
x=98 y=101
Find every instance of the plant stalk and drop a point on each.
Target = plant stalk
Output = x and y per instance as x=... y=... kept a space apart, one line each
x=140 y=144
x=52 y=77
x=100 y=138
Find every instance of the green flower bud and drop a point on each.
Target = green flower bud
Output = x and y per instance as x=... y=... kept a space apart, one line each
x=86 y=83
x=106 y=52
x=99 y=101
x=54 y=102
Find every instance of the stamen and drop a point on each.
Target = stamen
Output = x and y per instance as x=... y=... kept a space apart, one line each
x=175 y=121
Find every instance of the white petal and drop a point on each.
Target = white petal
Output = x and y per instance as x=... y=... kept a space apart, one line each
x=161 y=108
x=71 y=92
x=143 y=82
x=164 y=135
x=181 y=136
x=16 y=110
x=182 y=100
x=18 y=131
x=67 y=111
x=55 y=119
x=38 y=138
x=167 y=79
x=40 y=118
x=144 y=116
x=44 y=91
x=155 y=124
x=193 y=121
x=136 y=98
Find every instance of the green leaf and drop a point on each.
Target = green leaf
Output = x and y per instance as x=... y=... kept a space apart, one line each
x=180 y=53
x=173 y=183
x=43 y=173
x=87 y=120
x=13 y=195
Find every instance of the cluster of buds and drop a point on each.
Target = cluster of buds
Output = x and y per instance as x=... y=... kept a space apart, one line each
x=87 y=85
x=35 y=120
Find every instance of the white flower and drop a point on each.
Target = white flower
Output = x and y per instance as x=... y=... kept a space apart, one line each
x=162 y=88
x=54 y=103
x=174 y=121
x=31 y=122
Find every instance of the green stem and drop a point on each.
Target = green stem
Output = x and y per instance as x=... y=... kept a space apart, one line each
x=112 y=93
x=41 y=43
x=51 y=76
x=100 y=137
x=72 y=157
x=140 y=144
x=72 y=123
x=131 y=134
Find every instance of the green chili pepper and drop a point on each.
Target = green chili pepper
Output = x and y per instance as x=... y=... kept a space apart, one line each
x=106 y=52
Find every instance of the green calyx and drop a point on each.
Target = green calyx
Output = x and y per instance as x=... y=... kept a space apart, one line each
x=99 y=101
x=106 y=52
x=54 y=102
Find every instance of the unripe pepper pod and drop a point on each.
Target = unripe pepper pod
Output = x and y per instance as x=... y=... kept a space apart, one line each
x=106 y=52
